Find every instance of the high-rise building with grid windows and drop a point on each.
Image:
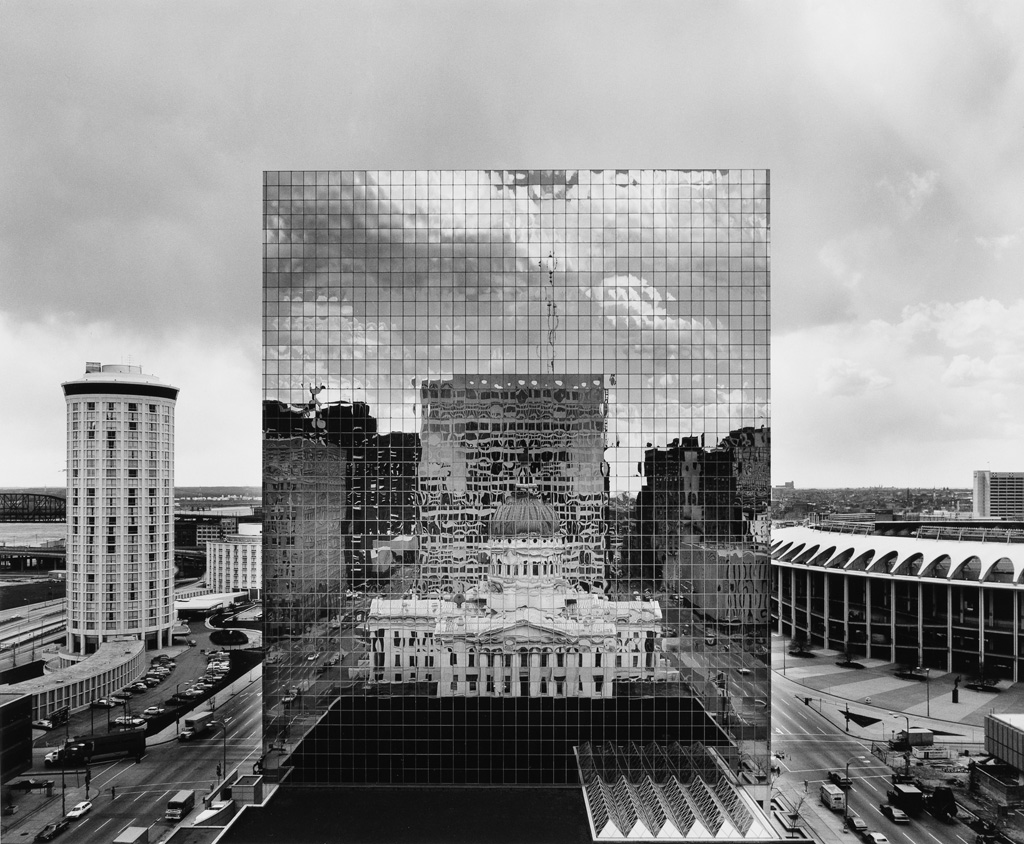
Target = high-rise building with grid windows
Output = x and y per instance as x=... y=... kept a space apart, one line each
x=998 y=495
x=474 y=570
x=120 y=507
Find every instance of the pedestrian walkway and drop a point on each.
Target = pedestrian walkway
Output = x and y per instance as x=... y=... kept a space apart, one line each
x=876 y=691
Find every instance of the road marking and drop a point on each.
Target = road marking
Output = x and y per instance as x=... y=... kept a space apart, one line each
x=108 y=820
x=961 y=838
x=933 y=837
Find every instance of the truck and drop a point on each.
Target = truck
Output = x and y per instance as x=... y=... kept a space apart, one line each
x=833 y=796
x=914 y=737
x=942 y=804
x=907 y=797
x=133 y=835
x=81 y=750
x=180 y=805
x=196 y=725
x=57 y=718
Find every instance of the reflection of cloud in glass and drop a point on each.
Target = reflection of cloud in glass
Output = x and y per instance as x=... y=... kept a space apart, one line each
x=426 y=275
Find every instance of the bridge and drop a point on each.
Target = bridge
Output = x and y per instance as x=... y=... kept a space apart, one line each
x=31 y=507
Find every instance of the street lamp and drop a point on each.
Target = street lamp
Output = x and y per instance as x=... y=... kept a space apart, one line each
x=907 y=754
x=224 y=744
x=846 y=792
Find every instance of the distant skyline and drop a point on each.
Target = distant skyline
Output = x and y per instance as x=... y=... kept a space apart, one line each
x=136 y=136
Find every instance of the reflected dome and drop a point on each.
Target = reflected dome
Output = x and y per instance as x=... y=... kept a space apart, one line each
x=523 y=514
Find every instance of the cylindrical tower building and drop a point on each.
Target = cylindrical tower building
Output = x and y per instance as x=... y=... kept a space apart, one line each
x=120 y=507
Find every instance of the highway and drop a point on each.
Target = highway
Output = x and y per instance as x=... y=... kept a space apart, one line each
x=813 y=746
x=143 y=789
x=21 y=627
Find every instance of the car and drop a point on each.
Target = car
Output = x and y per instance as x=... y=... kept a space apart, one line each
x=893 y=813
x=43 y=724
x=152 y=681
x=149 y=711
x=103 y=703
x=52 y=830
x=139 y=686
x=118 y=700
x=856 y=823
x=840 y=779
x=129 y=721
x=79 y=809
x=872 y=837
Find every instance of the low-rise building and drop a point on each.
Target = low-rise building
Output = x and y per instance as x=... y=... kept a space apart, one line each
x=236 y=563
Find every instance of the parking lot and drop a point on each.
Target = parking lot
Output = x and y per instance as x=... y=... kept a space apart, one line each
x=190 y=665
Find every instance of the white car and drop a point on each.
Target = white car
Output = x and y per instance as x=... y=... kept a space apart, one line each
x=152 y=710
x=79 y=809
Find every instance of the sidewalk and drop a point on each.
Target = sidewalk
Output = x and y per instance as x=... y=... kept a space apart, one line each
x=875 y=691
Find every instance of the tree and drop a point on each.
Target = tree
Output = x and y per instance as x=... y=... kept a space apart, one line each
x=799 y=645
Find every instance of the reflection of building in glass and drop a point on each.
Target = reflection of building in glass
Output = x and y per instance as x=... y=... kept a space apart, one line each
x=523 y=629
x=416 y=325
x=942 y=595
x=483 y=436
x=382 y=494
x=306 y=456
x=692 y=495
x=998 y=495
x=120 y=499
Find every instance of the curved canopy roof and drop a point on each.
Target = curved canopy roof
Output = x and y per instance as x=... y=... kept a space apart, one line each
x=942 y=559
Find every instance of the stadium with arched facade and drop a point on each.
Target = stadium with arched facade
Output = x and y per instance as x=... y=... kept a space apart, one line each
x=941 y=595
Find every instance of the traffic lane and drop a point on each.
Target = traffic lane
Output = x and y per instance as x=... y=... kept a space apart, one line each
x=142 y=790
x=811 y=756
x=141 y=787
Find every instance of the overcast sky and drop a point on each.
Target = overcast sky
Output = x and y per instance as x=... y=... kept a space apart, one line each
x=134 y=137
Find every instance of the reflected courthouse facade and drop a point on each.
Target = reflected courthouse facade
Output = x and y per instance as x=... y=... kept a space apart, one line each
x=515 y=475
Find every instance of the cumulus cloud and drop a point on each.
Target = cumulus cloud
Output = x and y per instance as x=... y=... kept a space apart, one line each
x=840 y=377
x=998 y=244
x=632 y=302
x=850 y=257
x=911 y=191
x=924 y=398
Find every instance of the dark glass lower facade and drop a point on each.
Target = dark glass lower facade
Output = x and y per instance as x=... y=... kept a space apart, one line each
x=516 y=471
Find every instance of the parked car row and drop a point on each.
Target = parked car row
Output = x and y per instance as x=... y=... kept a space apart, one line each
x=160 y=669
x=217 y=668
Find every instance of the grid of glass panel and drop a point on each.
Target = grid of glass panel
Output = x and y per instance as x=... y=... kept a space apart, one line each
x=516 y=469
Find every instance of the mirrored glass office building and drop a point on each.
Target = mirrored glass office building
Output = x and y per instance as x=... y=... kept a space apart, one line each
x=516 y=471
